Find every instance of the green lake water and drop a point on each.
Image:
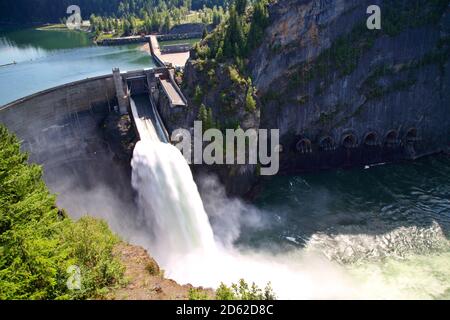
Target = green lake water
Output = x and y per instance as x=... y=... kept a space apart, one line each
x=44 y=59
x=387 y=226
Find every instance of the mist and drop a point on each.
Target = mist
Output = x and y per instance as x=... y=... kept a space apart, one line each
x=327 y=266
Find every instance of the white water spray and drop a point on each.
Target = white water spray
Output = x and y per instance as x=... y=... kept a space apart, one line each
x=169 y=200
x=183 y=241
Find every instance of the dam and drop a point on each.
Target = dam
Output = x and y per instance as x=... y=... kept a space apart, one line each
x=67 y=133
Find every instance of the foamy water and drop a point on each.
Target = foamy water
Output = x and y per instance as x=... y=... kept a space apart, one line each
x=404 y=263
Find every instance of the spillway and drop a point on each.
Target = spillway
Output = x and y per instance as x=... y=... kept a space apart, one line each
x=168 y=198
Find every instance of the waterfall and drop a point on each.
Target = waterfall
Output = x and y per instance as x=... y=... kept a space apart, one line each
x=169 y=200
x=181 y=238
x=174 y=220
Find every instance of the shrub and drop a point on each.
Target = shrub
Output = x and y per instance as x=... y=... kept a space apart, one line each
x=242 y=291
x=197 y=294
x=90 y=244
x=38 y=242
x=250 y=103
x=235 y=76
x=152 y=269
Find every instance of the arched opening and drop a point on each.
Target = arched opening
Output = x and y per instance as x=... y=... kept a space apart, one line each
x=391 y=139
x=371 y=139
x=327 y=143
x=411 y=135
x=304 y=146
x=349 y=141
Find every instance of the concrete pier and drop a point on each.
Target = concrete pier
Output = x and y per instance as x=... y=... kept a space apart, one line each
x=122 y=96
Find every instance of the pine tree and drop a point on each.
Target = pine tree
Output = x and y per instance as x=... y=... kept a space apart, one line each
x=209 y=119
x=241 y=5
x=198 y=95
x=259 y=22
x=234 y=37
x=202 y=114
x=166 y=26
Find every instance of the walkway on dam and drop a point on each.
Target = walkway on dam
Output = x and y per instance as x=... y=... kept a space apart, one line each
x=178 y=60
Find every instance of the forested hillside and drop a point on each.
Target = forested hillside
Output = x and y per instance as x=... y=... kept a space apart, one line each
x=43 y=11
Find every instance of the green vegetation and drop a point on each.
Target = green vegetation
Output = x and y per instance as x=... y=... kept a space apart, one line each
x=377 y=91
x=235 y=76
x=242 y=291
x=250 y=103
x=197 y=294
x=181 y=41
x=38 y=242
x=54 y=27
x=159 y=18
x=198 y=95
x=372 y=88
x=222 y=55
x=206 y=117
x=234 y=39
x=239 y=291
x=400 y=15
x=51 y=11
x=152 y=269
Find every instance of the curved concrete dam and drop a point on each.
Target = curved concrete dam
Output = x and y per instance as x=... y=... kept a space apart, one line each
x=72 y=132
x=81 y=132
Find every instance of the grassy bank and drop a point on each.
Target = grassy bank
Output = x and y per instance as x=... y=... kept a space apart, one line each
x=182 y=41
x=55 y=27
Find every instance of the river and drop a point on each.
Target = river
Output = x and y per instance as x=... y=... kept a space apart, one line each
x=383 y=230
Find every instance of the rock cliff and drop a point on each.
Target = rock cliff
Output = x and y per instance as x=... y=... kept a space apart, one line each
x=344 y=95
x=340 y=94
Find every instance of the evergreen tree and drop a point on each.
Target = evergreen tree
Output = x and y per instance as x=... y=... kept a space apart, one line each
x=209 y=119
x=166 y=26
x=38 y=242
x=202 y=114
x=198 y=95
x=234 y=37
x=259 y=22
x=241 y=5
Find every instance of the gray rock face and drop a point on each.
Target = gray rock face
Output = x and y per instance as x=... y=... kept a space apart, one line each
x=225 y=99
x=344 y=95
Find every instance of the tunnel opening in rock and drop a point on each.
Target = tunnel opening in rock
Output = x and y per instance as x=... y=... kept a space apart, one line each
x=391 y=139
x=411 y=135
x=371 y=139
x=304 y=146
x=349 y=141
x=327 y=143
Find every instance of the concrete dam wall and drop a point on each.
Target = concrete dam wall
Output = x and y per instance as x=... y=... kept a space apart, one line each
x=60 y=119
x=83 y=135
x=65 y=129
